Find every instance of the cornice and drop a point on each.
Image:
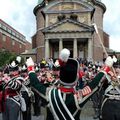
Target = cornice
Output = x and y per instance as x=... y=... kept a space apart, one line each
x=38 y=7
x=99 y=3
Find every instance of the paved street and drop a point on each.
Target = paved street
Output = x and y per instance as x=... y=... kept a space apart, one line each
x=86 y=114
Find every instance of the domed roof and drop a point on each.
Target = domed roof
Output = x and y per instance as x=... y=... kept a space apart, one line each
x=40 y=4
x=40 y=1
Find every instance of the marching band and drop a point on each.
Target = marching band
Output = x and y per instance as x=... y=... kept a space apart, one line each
x=63 y=87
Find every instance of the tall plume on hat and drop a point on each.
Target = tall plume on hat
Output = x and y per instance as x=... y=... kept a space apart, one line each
x=18 y=59
x=14 y=62
x=63 y=57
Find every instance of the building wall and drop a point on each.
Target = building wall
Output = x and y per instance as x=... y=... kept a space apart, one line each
x=39 y=35
x=106 y=39
x=28 y=45
x=50 y=19
x=10 y=39
x=34 y=41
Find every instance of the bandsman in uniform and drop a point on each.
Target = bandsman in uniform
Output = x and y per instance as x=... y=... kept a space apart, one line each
x=11 y=85
x=63 y=101
x=37 y=98
x=111 y=103
x=26 y=93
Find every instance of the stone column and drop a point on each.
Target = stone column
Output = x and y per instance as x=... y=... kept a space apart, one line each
x=46 y=25
x=60 y=45
x=75 y=48
x=90 y=49
x=47 y=48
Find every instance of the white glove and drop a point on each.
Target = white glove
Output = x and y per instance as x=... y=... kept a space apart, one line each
x=109 y=61
x=30 y=65
x=29 y=62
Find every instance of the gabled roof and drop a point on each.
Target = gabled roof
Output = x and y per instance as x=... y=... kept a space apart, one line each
x=68 y=25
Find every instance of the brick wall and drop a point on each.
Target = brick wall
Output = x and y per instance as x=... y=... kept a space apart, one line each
x=8 y=45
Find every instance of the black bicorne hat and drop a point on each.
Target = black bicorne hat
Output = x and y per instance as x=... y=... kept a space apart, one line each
x=14 y=64
x=24 y=69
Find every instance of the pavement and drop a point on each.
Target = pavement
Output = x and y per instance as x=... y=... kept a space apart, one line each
x=86 y=114
x=87 y=111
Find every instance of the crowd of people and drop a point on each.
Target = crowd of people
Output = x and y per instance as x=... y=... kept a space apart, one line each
x=62 y=86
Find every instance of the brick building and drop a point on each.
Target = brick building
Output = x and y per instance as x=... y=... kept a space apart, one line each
x=11 y=40
x=69 y=24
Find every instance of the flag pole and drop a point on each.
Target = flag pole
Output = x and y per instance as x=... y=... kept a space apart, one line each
x=96 y=29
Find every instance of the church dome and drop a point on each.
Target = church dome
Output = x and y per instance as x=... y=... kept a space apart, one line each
x=40 y=4
x=40 y=1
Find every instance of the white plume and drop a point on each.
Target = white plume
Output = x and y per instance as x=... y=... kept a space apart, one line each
x=56 y=63
x=64 y=54
x=18 y=59
x=13 y=64
x=36 y=68
x=114 y=59
x=24 y=67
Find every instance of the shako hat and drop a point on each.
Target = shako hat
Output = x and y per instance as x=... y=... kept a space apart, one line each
x=69 y=68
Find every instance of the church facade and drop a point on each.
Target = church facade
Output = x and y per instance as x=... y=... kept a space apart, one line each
x=69 y=24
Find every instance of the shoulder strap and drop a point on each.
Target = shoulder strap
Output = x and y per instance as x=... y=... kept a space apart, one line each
x=58 y=106
x=112 y=86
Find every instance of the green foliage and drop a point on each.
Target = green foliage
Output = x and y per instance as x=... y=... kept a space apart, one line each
x=5 y=57
x=118 y=61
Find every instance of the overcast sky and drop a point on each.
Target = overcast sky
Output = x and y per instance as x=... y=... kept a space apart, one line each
x=19 y=14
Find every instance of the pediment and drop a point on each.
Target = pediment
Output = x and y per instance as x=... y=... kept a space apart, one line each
x=68 y=26
x=67 y=6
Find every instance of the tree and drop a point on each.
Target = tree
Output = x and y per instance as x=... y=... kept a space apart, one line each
x=5 y=57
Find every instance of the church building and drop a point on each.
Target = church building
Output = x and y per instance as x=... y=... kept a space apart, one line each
x=69 y=24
